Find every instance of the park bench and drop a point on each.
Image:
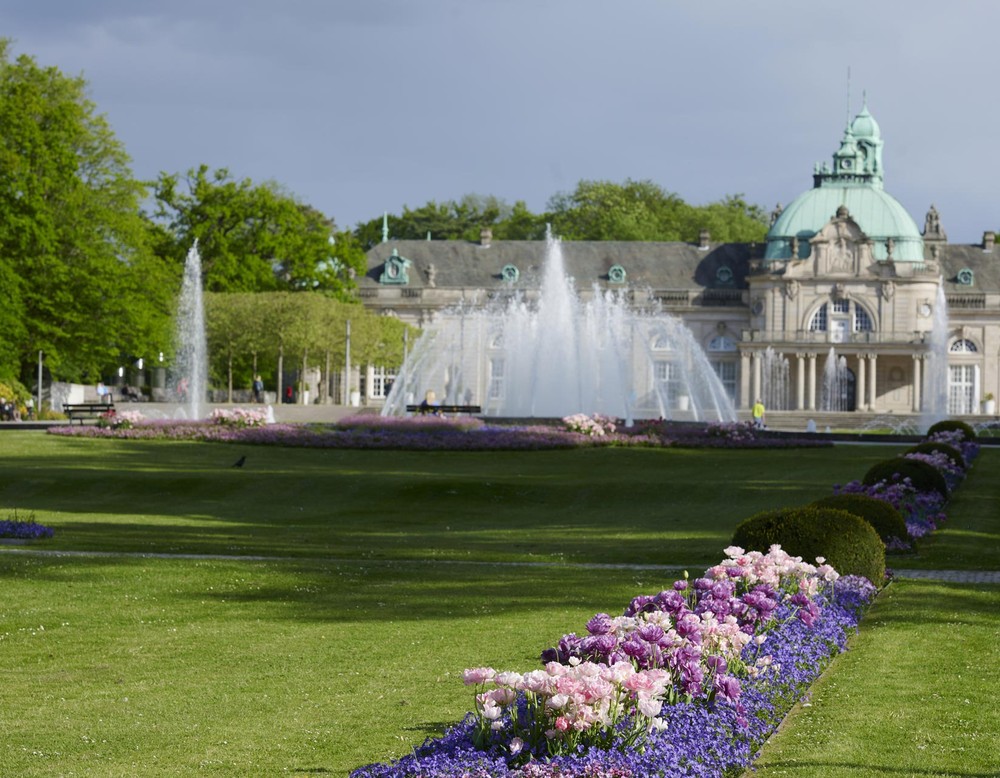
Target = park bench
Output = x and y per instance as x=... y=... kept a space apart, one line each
x=83 y=411
x=442 y=409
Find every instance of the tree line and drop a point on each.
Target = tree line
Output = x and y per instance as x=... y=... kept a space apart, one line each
x=91 y=257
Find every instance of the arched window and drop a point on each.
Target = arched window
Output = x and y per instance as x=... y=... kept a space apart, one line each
x=722 y=343
x=662 y=343
x=963 y=346
x=862 y=321
x=818 y=321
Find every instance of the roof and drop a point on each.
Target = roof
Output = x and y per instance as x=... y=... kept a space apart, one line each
x=463 y=264
x=877 y=213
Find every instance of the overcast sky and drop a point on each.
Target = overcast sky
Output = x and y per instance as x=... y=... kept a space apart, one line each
x=363 y=106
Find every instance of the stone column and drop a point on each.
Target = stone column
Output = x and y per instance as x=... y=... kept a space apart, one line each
x=743 y=401
x=755 y=377
x=811 y=389
x=871 y=382
x=917 y=381
x=859 y=390
x=800 y=381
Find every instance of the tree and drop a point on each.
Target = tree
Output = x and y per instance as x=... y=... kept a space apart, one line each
x=254 y=237
x=79 y=277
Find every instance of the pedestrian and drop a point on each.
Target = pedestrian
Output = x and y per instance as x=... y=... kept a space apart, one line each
x=258 y=389
x=758 y=414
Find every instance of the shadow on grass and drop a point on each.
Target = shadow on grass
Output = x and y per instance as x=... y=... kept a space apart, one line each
x=312 y=592
x=924 y=602
x=823 y=768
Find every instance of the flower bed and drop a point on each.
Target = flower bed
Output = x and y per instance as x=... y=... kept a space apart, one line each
x=19 y=529
x=690 y=681
x=430 y=433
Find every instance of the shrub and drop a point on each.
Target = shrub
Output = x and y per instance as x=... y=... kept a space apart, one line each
x=939 y=447
x=923 y=476
x=953 y=425
x=884 y=518
x=844 y=540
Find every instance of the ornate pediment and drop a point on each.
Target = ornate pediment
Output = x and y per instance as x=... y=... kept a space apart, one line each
x=841 y=248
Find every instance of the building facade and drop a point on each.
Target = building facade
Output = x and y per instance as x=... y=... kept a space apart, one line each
x=846 y=307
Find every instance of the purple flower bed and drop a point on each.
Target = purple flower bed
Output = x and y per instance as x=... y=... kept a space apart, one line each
x=429 y=433
x=785 y=621
x=24 y=530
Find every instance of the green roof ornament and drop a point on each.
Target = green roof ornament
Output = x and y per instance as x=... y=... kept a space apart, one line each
x=965 y=277
x=385 y=226
x=616 y=274
x=394 y=272
x=510 y=274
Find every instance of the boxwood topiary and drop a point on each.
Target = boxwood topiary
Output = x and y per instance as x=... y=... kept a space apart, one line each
x=848 y=542
x=884 y=518
x=923 y=476
x=936 y=447
x=951 y=425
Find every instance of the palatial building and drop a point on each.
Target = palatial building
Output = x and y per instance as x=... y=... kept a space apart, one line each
x=845 y=282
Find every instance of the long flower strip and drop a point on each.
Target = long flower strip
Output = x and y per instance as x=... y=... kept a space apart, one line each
x=419 y=434
x=700 y=738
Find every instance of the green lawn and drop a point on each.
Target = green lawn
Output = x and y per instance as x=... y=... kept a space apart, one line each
x=347 y=644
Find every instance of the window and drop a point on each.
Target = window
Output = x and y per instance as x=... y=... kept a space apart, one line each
x=818 y=321
x=381 y=383
x=726 y=371
x=841 y=306
x=963 y=347
x=666 y=377
x=862 y=321
x=961 y=389
x=496 y=378
x=722 y=343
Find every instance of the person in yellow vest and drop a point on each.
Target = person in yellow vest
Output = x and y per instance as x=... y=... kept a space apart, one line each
x=758 y=414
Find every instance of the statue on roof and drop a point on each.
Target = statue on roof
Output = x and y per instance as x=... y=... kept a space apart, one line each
x=932 y=225
x=778 y=210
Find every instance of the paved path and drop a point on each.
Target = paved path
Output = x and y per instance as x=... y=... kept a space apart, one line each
x=954 y=576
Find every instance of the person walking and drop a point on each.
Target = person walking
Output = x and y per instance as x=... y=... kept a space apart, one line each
x=758 y=414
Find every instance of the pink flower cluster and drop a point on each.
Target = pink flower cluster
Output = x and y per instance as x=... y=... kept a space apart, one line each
x=681 y=644
x=595 y=426
x=239 y=417
x=570 y=705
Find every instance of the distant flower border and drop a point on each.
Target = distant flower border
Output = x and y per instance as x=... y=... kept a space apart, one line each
x=430 y=433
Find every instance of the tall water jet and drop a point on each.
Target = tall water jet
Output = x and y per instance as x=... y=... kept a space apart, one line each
x=836 y=383
x=561 y=356
x=935 y=406
x=774 y=380
x=190 y=371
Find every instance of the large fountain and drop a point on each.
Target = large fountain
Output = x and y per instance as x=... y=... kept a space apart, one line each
x=559 y=355
x=189 y=376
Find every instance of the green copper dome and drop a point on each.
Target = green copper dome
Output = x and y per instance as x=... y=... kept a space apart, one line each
x=854 y=181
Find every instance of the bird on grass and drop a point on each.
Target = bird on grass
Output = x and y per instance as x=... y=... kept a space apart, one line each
x=240 y=462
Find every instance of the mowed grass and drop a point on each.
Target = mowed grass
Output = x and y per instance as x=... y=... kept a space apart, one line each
x=634 y=506
x=346 y=644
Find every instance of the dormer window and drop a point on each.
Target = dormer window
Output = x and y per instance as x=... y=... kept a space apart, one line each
x=510 y=273
x=616 y=274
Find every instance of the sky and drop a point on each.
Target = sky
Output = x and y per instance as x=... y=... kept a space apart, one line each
x=358 y=107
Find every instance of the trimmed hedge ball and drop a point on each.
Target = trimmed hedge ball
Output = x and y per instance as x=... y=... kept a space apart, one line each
x=848 y=542
x=951 y=425
x=884 y=518
x=923 y=476
x=936 y=447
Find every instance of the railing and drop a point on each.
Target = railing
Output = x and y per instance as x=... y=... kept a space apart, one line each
x=832 y=337
x=974 y=301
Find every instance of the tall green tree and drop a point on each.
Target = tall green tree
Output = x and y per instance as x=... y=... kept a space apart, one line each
x=79 y=278
x=253 y=237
